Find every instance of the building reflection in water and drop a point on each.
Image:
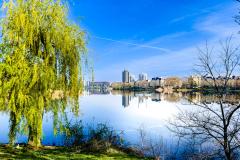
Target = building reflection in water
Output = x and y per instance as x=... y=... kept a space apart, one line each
x=126 y=100
x=142 y=97
x=127 y=97
x=140 y=100
x=156 y=97
x=194 y=97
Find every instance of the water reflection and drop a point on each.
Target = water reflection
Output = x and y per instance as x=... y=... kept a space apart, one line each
x=126 y=111
x=143 y=96
x=191 y=97
x=126 y=100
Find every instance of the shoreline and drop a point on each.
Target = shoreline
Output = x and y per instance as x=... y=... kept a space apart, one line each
x=169 y=90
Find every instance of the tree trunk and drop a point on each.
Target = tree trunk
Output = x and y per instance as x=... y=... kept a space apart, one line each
x=227 y=148
x=228 y=154
x=12 y=130
x=35 y=130
x=34 y=139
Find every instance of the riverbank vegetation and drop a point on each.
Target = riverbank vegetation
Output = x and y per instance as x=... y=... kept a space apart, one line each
x=51 y=152
x=78 y=142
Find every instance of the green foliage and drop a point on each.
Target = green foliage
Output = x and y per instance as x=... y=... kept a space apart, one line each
x=91 y=138
x=63 y=153
x=41 y=53
x=73 y=134
x=102 y=137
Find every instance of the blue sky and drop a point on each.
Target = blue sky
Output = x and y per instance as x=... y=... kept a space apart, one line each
x=158 y=37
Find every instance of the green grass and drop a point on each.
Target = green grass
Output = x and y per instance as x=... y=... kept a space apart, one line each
x=48 y=153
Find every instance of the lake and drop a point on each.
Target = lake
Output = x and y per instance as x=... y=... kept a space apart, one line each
x=124 y=111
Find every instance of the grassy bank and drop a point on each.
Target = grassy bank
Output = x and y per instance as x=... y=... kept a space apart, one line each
x=49 y=152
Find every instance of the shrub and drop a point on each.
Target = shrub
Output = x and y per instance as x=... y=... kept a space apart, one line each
x=92 y=138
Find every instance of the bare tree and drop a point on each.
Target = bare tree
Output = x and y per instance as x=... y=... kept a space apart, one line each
x=216 y=123
x=156 y=146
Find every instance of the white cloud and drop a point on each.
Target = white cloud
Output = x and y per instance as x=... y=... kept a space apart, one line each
x=220 y=24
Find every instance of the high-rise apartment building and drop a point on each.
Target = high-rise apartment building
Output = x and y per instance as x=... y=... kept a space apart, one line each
x=125 y=76
x=142 y=77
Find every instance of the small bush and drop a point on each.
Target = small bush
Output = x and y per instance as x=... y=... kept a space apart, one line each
x=73 y=135
x=97 y=138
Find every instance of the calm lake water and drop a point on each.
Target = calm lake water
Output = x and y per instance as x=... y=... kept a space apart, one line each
x=125 y=112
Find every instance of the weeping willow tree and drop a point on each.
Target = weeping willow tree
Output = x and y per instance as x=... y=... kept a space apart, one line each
x=41 y=55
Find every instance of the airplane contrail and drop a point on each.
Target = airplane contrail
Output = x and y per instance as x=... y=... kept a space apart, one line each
x=133 y=44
